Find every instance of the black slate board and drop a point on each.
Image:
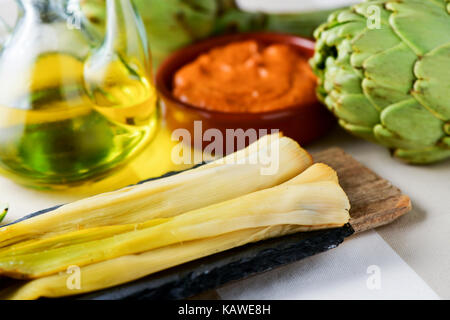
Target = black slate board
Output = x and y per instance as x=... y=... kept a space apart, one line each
x=211 y=272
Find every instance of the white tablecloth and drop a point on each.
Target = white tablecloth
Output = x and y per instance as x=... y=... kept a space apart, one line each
x=410 y=258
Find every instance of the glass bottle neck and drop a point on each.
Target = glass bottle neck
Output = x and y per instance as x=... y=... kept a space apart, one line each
x=46 y=11
x=120 y=18
x=124 y=31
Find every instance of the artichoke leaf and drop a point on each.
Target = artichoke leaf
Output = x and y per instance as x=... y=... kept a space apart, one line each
x=432 y=89
x=423 y=156
x=339 y=75
x=380 y=85
x=413 y=124
x=365 y=9
x=371 y=42
x=359 y=131
x=347 y=81
x=353 y=108
x=391 y=139
x=382 y=96
x=392 y=68
x=351 y=29
x=348 y=16
x=409 y=18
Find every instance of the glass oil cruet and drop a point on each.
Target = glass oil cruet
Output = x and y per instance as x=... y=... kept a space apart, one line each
x=73 y=105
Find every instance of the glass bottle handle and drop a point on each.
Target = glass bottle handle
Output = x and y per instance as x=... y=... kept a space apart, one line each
x=125 y=33
x=120 y=69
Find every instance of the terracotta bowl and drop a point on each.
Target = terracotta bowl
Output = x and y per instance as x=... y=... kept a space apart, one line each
x=303 y=122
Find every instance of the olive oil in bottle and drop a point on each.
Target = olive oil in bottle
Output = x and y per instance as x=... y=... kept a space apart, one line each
x=70 y=111
x=62 y=136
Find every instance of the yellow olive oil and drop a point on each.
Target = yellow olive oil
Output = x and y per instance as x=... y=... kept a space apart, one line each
x=58 y=129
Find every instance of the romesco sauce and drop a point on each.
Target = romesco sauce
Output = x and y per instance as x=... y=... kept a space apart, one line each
x=245 y=77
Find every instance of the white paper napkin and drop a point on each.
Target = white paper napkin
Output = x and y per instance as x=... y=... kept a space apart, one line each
x=363 y=267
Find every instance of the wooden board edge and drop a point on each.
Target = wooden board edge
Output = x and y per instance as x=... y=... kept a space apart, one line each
x=371 y=222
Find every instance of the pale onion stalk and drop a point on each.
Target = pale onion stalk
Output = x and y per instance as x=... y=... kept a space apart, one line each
x=171 y=196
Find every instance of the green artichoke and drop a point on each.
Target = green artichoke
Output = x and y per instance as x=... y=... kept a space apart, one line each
x=390 y=83
x=170 y=24
x=173 y=24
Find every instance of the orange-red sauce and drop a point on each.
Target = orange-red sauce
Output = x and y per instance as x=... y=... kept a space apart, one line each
x=246 y=77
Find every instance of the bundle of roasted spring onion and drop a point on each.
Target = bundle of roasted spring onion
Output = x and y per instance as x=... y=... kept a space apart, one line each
x=124 y=235
x=172 y=24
